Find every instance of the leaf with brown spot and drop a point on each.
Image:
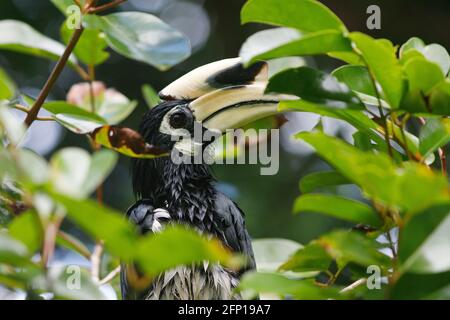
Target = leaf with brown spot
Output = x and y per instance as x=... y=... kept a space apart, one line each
x=126 y=141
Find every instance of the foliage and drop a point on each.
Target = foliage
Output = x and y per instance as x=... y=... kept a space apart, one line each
x=383 y=91
x=396 y=98
x=37 y=195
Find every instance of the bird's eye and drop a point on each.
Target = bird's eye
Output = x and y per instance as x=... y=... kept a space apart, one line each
x=178 y=120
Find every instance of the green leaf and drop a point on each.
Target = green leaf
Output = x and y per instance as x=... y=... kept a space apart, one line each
x=305 y=15
x=425 y=241
x=69 y=169
x=312 y=257
x=433 y=135
x=422 y=74
x=338 y=207
x=358 y=79
x=353 y=246
x=78 y=124
x=143 y=37
x=309 y=44
x=70 y=242
x=439 y=55
x=412 y=43
x=62 y=5
x=62 y=107
x=150 y=96
x=102 y=223
x=440 y=98
x=348 y=57
x=18 y=36
x=319 y=180
x=412 y=286
x=185 y=247
x=34 y=169
x=271 y=253
x=12 y=251
x=7 y=86
x=382 y=61
x=286 y=287
x=64 y=286
x=362 y=141
x=102 y=164
x=411 y=187
x=27 y=228
x=74 y=172
x=314 y=86
x=12 y=127
x=127 y=142
x=91 y=46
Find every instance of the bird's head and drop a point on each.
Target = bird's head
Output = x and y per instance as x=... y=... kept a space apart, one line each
x=213 y=98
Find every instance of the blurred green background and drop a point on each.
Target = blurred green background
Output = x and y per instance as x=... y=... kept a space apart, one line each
x=216 y=33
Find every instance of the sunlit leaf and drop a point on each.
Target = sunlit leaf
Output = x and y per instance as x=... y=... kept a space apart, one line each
x=440 y=98
x=318 y=180
x=286 y=287
x=425 y=241
x=434 y=134
x=7 y=86
x=422 y=75
x=305 y=15
x=411 y=187
x=338 y=207
x=312 y=257
x=314 y=86
x=383 y=63
x=143 y=37
x=18 y=36
x=271 y=253
x=11 y=125
x=27 y=229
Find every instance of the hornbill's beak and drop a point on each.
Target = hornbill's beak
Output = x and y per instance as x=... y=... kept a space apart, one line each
x=224 y=95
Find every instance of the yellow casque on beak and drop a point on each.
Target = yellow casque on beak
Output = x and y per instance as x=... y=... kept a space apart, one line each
x=225 y=95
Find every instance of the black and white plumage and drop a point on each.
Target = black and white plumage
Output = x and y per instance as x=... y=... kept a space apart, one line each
x=218 y=96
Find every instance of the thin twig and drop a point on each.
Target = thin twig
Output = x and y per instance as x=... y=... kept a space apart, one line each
x=106 y=6
x=443 y=158
x=110 y=276
x=354 y=285
x=49 y=241
x=80 y=249
x=96 y=259
x=33 y=113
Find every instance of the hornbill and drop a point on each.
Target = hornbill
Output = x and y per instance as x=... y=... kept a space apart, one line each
x=218 y=96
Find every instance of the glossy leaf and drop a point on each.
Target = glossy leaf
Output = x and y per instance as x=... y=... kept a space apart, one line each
x=102 y=164
x=314 y=86
x=78 y=124
x=433 y=135
x=320 y=42
x=383 y=63
x=318 y=180
x=102 y=223
x=91 y=46
x=126 y=141
x=33 y=168
x=271 y=253
x=411 y=188
x=186 y=247
x=27 y=229
x=424 y=242
x=304 y=15
x=312 y=257
x=62 y=107
x=345 y=247
x=337 y=207
x=143 y=37
x=18 y=36
x=440 y=98
x=286 y=287
x=7 y=86
x=413 y=286
x=11 y=125
x=422 y=75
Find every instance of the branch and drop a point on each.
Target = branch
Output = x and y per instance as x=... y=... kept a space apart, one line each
x=96 y=259
x=106 y=6
x=354 y=285
x=110 y=276
x=33 y=113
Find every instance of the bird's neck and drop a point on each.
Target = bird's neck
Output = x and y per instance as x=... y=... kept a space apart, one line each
x=186 y=190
